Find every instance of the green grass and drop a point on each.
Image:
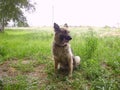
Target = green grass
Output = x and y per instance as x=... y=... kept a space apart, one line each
x=28 y=53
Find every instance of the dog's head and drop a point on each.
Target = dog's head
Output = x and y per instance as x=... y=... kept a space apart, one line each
x=62 y=36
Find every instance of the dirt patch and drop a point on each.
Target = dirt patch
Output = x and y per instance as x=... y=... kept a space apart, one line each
x=38 y=71
x=106 y=66
x=39 y=74
x=6 y=70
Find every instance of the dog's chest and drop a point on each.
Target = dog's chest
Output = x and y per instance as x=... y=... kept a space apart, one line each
x=62 y=53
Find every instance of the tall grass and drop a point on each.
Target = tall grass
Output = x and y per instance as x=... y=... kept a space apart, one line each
x=26 y=44
x=100 y=60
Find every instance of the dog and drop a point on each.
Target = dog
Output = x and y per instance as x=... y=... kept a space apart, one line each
x=61 y=49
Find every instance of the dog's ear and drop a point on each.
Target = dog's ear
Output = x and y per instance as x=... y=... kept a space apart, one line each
x=66 y=25
x=56 y=27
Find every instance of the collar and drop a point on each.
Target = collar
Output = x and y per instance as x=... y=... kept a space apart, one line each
x=60 y=45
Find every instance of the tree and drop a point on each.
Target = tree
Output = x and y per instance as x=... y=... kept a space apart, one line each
x=13 y=10
x=22 y=24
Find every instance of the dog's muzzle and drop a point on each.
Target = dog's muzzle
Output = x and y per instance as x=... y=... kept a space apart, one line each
x=68 y=38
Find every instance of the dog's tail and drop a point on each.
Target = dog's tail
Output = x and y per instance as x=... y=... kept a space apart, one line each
x=77 y=60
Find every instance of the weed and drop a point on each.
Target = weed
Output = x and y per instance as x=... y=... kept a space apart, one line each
x=19 y=83
x=91 y=45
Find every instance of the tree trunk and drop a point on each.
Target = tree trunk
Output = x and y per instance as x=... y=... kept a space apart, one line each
x=1 y=29
x=2 y=20
x=2 y=26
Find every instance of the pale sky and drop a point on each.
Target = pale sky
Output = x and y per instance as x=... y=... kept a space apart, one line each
x=75 y=12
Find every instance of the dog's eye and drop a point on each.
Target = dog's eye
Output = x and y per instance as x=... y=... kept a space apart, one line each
x=62 y=37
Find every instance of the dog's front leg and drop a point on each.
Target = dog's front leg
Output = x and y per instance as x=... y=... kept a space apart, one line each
x=56 y=65
x=70 y=63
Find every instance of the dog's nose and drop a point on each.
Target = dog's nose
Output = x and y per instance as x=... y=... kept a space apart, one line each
x=68 y=37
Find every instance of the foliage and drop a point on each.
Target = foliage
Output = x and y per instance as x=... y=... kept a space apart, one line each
x=90 y=45
x=13 y=10
x=1 y=84
x=19 y=83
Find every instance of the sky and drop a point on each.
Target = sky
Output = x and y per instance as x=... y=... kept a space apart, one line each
x=75 y=12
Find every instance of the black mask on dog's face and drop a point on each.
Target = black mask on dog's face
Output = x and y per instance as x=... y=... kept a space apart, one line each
x=63 y=37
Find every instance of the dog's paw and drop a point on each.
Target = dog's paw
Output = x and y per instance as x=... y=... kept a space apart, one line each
x=70 y=75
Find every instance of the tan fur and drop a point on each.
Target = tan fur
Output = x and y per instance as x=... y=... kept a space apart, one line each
x=62 y=52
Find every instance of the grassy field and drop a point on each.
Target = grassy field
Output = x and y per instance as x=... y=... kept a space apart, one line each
x=26 y=60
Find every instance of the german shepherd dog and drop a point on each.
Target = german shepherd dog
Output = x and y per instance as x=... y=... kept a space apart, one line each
x=62 y=53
